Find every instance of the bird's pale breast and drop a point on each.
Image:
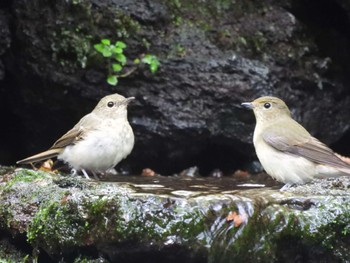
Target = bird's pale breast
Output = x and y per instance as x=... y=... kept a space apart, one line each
x=284 y=167
x=100 y=149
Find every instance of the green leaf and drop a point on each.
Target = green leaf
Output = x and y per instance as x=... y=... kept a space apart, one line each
x=112 y=80
x=99 y=47
x=116 y=67
x=117 y=50
x=107 y=52
x=154 y=66
x=106 y=41
x=152 y=61
x=120 y=44
x=243 y=40
x=121 y=58
x=147 y=59
x=137 y=61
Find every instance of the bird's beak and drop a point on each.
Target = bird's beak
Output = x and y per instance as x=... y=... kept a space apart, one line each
x=127 y=100
x=248 y=105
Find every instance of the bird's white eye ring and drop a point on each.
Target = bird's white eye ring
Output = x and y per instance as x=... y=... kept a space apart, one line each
x=267 y=105
x=110 y=104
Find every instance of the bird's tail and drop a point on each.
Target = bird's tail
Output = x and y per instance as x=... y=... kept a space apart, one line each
x=346 y=171
x=326 y=171
x=41 y=156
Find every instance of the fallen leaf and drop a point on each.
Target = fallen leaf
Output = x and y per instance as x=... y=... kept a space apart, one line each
x=148 y=172
x=237 y=218
x=47 y=166
x=64 y=200
x=241 y=174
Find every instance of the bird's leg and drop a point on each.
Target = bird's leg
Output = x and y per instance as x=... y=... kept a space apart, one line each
x=85 y=174
x=286 y=187
x=95 y=175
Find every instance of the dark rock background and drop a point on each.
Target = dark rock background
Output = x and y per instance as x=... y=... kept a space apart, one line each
x=214 y=55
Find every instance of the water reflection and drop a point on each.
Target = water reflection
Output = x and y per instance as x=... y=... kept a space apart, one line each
x=184 y=186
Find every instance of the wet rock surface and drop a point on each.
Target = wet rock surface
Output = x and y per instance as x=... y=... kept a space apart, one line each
x=214 y=55
x=171 y=219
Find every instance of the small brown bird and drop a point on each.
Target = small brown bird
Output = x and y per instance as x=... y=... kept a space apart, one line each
x=98 y=142
x=286 y=149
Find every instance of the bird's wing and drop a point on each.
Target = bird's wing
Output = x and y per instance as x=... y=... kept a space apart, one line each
x=296 y=140
x=76 y=133
x=71 y=137
x=88 y=122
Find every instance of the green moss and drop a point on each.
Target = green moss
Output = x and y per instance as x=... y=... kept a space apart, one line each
x=177 y=50
x=138 y=220
x=329 y=226
x=61 y=223
x=207 y=9
x=15 y=258
x=25 y=200
x=70 y=213
x=72 y=49
x=126 y=26
x=254 y=44
x=26 y=176
x=278 y=228
x=209 y=12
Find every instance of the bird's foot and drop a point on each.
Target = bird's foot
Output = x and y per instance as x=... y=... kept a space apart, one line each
x=286 y=187
x=111 y=171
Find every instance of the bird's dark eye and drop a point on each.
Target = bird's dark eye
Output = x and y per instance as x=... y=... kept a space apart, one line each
x=110 y=104
x=267 y=105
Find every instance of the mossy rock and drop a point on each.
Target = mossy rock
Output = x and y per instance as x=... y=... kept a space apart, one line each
x=161 y=217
